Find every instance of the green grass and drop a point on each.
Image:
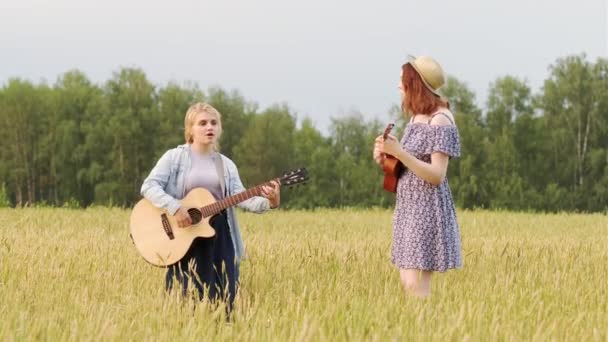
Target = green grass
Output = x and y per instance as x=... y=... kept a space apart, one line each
x=321 y=275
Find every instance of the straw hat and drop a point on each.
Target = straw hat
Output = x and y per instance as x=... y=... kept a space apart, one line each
x=430 y=71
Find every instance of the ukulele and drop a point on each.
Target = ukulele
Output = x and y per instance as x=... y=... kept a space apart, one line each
x=160 y=240
x=391 y=166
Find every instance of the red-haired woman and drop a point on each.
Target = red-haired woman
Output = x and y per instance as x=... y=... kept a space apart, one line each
x=426 y=237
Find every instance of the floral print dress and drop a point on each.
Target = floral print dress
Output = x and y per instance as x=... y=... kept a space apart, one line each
x=425 y=230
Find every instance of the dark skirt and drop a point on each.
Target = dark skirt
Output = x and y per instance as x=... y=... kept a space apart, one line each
x=209 y=265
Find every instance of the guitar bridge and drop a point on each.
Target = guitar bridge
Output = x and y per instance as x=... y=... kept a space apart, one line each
x=167 y=226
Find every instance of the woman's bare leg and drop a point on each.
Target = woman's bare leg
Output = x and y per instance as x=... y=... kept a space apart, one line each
x=416 y=282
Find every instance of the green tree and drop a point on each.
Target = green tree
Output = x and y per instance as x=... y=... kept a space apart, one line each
x=469 y=185
x=266 y=150
x=236 y=116
x=173 y=101
x=509 y=101
x=358 y=180
x=130 y=129
x=23 y=121
x=311 y=150
x=461 y=98
x=73 y=94
x=571 y=105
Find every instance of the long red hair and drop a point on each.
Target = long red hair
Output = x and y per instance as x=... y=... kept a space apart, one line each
x=418 y=98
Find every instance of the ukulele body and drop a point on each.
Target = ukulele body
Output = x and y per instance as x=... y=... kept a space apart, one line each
x=392 y=168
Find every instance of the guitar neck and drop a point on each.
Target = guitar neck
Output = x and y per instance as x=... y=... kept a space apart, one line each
x=217 y=207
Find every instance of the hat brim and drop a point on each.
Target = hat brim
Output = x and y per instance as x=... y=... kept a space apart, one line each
x=411 y=59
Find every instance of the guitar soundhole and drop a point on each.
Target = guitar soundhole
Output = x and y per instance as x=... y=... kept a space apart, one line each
x=195 y=215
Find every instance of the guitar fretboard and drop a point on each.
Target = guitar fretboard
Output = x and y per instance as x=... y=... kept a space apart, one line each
x=217 y=207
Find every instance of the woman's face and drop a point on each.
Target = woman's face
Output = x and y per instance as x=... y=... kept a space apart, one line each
x=205 y=129
x=400 y=85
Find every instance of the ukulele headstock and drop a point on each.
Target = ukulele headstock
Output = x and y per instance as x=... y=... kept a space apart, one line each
x=388 y=130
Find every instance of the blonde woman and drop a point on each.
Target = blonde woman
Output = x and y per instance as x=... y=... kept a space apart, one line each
x=210 y=263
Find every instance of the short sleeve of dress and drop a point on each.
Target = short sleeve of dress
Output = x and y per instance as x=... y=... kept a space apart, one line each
x=446 y=139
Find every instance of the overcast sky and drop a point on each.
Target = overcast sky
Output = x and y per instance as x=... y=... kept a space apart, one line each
x=324 y=58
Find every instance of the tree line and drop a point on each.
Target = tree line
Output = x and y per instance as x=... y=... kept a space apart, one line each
x=75 y=143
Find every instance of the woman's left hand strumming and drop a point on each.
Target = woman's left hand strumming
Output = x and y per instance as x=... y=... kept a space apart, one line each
x=272 y=193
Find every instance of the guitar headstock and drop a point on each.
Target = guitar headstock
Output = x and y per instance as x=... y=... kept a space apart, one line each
x=388 y=130
x=294 y=177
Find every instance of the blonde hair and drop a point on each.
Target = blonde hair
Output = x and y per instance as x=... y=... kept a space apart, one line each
x=193 y=111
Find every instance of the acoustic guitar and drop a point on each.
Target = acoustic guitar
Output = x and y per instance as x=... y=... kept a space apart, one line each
x=391 y=166
x=160 y=240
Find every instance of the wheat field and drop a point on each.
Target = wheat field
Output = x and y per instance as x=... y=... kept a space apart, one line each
x=323 y=275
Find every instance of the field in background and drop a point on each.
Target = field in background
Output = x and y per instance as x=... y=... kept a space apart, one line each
x=320 y=275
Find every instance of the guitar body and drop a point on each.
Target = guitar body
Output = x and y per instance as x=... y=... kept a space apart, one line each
x=160 y=240
x=158 y=237
x=392 y=168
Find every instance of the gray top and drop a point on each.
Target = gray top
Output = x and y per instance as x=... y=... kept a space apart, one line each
x=203 y=174
x=166 y=185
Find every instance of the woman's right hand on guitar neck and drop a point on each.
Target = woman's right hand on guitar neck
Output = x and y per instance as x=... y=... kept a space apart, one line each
x=378 y=156
x=183 y=218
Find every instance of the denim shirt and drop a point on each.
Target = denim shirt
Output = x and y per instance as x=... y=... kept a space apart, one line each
x=165 y=186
